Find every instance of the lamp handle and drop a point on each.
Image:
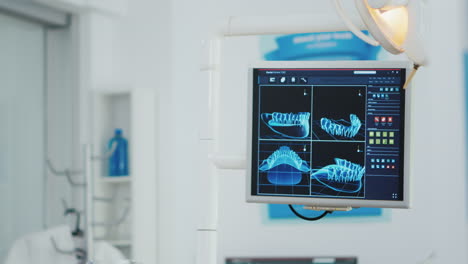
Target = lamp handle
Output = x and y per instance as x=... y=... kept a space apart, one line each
x=349 y=23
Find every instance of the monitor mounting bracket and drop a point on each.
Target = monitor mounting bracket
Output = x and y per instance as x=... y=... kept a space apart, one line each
x=321 y=208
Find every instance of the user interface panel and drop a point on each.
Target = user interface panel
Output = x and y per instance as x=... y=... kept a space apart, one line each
x=328 y=133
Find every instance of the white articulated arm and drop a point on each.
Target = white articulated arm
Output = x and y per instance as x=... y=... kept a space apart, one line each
x=210 y=132
x=249 y=26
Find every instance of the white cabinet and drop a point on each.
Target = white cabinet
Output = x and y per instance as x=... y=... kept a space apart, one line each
x=117 y=200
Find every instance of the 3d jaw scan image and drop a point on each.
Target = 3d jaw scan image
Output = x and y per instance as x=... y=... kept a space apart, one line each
x=339 y=113
x=288 y=125
x=278 y=164
x=337 y=128
x=284 y=167
x=285 y=112
x=339 y=169
x=343 y=176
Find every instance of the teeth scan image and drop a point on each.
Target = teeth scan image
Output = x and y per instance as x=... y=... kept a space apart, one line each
x=338 y=113
x=338 y=133
x=297 y=123
x=339 y=128
x=283 y=120
x=289 y=125
x=284 y=167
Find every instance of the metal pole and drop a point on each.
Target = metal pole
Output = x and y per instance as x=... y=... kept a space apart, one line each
x=89 y=194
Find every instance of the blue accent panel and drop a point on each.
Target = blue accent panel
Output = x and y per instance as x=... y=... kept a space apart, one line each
x=338 y=128
x=282 y=211
x=324 y=46
x=288 y=125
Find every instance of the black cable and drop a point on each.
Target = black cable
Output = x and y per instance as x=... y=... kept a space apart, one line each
x=309 y=218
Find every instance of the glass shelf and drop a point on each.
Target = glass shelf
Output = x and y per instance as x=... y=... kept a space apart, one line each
x=118 y=179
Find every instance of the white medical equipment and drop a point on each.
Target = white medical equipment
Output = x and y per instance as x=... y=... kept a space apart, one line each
x=372 y=13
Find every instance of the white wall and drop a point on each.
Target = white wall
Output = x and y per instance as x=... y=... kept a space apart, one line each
x=444 y=80
x=147 y=57
x=62 y=122
x=22 y=133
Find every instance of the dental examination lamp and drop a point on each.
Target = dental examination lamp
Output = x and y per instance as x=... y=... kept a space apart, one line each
x=392 y=23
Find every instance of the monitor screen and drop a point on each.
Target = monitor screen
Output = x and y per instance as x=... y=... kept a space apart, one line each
x=332 y=135
x=289 y=260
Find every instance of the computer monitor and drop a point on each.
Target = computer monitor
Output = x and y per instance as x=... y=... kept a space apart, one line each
x=329 y=134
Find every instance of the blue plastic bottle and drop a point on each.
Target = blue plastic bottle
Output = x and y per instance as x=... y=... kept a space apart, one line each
x=118 y=161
